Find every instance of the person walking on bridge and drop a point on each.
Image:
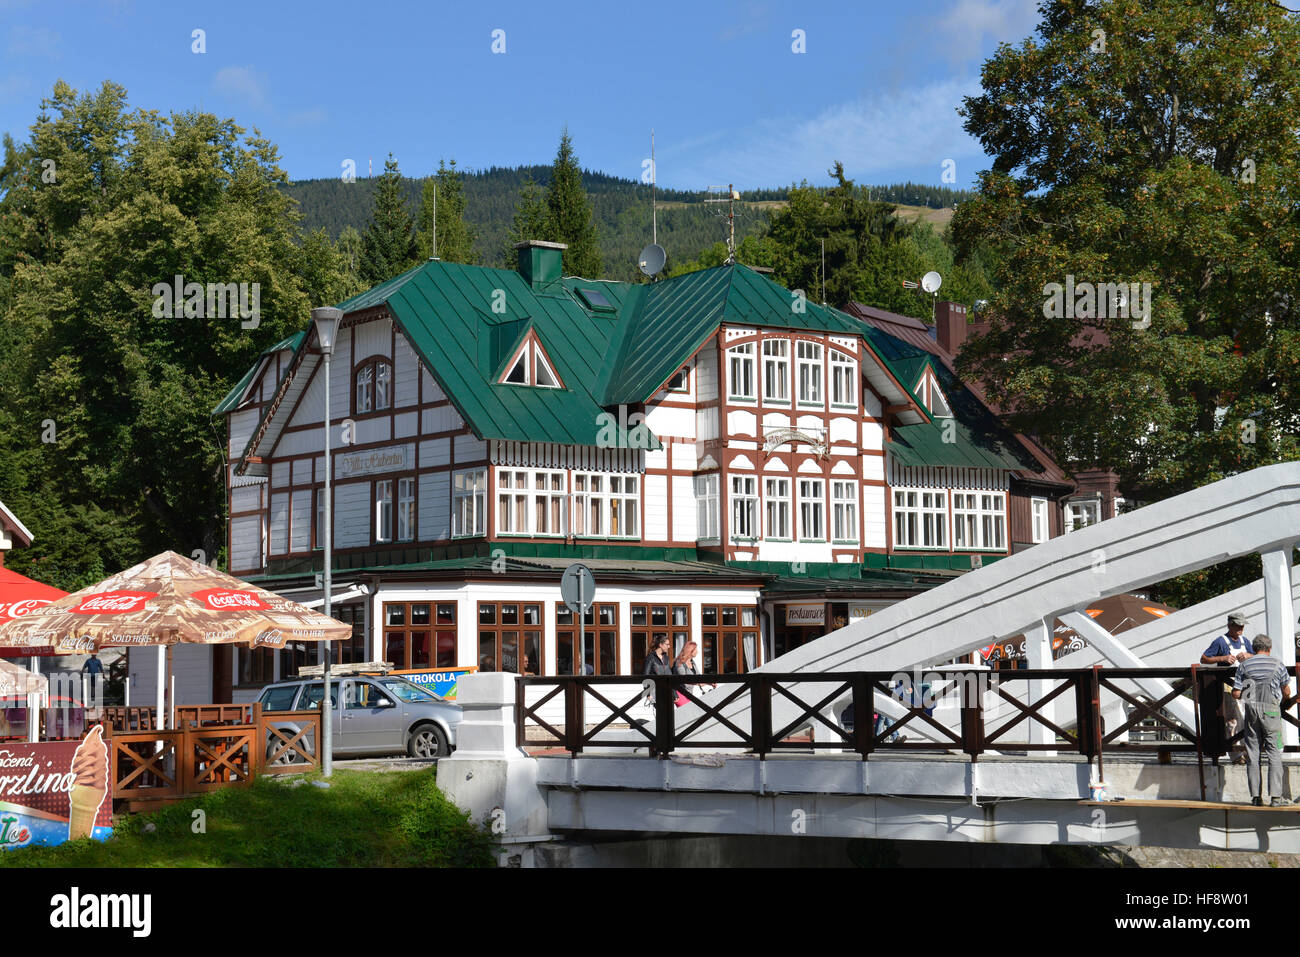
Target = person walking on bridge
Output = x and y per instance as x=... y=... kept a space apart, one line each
x=1230 y=649
x=1261 y=685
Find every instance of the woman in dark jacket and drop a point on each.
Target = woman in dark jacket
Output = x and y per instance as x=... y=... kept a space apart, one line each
x=659 y=661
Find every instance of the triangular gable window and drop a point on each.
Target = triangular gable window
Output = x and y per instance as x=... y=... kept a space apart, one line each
x=533 y=367
x=938 y=404
x=545 y=377
x=518 y=374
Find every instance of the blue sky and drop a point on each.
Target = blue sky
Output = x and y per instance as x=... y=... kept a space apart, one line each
x=728 y=98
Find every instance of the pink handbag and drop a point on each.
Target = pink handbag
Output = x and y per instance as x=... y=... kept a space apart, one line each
x=680 y=699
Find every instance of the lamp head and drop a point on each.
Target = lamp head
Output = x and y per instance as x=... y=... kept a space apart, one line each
x=326 y=320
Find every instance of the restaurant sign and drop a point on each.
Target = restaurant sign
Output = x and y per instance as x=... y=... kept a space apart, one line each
x=805 y=614
x=54 y=792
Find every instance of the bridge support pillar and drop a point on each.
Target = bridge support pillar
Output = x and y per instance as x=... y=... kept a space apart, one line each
x=488 y=775
x=1279 y=613
x=1038 y=653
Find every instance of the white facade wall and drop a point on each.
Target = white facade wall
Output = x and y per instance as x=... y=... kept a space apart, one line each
x=656 y=508
x=873 y=516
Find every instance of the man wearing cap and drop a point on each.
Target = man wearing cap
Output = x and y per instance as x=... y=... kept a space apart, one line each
x=1230 y=649
x=1261 y=685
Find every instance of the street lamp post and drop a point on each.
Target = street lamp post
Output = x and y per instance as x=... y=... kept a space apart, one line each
x=326 y=320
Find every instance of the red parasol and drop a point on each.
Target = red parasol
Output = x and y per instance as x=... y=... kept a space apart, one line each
x=19 y=596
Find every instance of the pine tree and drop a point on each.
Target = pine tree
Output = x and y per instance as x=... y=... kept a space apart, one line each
x=570 y=213
x=442 y=214
x=388 y=246
x=532 y=219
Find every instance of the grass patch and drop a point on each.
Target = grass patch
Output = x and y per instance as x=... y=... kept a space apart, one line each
x=364 y=819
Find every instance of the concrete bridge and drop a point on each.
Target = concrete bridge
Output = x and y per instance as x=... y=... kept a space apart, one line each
x=994 y=758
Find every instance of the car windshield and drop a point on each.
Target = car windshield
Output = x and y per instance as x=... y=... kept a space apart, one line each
x=406 y=690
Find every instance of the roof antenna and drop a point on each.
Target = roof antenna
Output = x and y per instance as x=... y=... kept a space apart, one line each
x=823 y=270
x=730 y=199
x=652 y=258
x=654 y=175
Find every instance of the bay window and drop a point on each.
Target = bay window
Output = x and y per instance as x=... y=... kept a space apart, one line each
x=606 y=506
x=531 y=502
x=920 y=518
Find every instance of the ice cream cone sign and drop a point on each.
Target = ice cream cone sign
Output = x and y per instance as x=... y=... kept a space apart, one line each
x=89 y=784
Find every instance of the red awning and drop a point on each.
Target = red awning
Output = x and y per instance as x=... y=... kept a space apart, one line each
x=18 y=596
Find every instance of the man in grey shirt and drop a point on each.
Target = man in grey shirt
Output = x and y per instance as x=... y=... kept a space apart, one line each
x=1261 y=685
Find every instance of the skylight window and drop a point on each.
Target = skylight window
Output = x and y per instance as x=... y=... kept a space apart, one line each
x=595 y=299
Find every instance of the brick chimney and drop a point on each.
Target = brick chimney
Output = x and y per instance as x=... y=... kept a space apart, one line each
x=950 y=325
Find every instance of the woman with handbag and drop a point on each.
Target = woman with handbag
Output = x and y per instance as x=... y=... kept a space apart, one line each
x=685 y=665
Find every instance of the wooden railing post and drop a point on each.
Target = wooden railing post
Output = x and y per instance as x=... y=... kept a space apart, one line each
x=574 y=726
x=257 y=750
x=972 y=715
x=864 y=707
x=521 y=735
x=760 y=712
x=1214 y=738
x=664 y=708
x=1087 y=695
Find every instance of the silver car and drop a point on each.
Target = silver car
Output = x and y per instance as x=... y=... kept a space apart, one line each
x=381 y=714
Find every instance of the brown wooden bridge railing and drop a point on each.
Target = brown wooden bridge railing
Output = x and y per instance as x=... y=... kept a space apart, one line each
x=207 y=751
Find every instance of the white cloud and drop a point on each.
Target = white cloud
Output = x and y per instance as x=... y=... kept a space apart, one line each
x=970 y=26
x=914 y=128
x=242 y=82
x=32 y=41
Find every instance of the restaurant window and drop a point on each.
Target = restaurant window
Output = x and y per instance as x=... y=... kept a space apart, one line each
x=652 y=622
x=256 y=667
x=600 y=628
x=920 y=518
x=297 y=654
x=809 y=372
x=844 y=379
x=510 y=637
x=728 y=639
x=744 y=507
x=776 y=501
x=740 y=372
x=776 y=371
x=384 y=511
x=468 y=503
x=420 y=635
x=844 y=511
x=706 y=507
x=812 y=510
x=374 y=391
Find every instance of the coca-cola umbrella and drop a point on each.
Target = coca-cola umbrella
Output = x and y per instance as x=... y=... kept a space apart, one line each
x=167 y=600
x=16 y=680
x=20 y=595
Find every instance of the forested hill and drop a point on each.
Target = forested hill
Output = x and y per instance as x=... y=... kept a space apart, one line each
x=620 y=207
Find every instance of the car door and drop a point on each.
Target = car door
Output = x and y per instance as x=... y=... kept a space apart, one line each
x=372 y=719
x=310 y=699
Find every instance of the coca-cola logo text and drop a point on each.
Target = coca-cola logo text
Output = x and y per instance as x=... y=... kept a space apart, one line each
x=220 y=599
x=82 y=645
x=271 y=638
x=113 y=602
x=17 y=609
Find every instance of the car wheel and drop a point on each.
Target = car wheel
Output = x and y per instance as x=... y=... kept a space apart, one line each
x=287 y=757
x=427 y=741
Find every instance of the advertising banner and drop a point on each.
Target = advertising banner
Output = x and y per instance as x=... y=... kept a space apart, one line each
x=54 y=792
x=440 y=681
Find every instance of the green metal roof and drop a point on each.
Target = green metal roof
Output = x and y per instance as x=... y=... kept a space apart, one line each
x=231 y=401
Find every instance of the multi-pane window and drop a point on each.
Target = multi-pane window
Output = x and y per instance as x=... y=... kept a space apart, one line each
x=531 y=502
x=652 y=622
x=469 y=502
x=510 y=637
x=844 y=511
x=809 y=370
x=374 y=391
x=740 y=372
x=844 y=380
x=1038 y=515
x=812 y=510
x=384 y=511
x=599 y=639
x=744 y=506
x=776 y=500
x=405 y=509
x=420 y=635
x=728 y=639
x=776 y=371
x=706 y=506
x=1082 y=514
x=979 y=520
x=606 y=506
x=920 y=518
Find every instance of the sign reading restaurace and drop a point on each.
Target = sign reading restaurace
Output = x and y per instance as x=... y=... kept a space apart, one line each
x=807 y=614
x=375 y=460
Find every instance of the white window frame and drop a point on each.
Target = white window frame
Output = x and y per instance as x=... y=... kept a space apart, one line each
x=383 y=511
x=920 y=518
x=1088 y=509
x=607 y=495
x=540 y=365
x=706 y=507
x=740 y=361
x=979 y=521
x=777 y=358
x=527 y=489
x=844 y=380
x=777 y=525
x=1040 y=526
x=383 y=386
x=468 y=503
x=809 y=389
x=812 y=510
x=365 y=396
x=844 y=511
x=744 y=508
x=406 y=509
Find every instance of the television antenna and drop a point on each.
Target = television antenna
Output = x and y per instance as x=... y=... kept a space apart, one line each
x=716 y=196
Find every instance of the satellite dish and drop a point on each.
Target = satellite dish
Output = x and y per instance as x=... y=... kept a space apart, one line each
x=931 y=281
x=652 y=259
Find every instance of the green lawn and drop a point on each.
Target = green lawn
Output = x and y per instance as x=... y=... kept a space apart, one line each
x=364 y=819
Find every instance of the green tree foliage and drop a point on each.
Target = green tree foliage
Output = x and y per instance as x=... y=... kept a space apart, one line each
x=569 y=212
x=108 y=450
x=1167 y=155
x=388 y=244
x=531 y=220
x=442 y=213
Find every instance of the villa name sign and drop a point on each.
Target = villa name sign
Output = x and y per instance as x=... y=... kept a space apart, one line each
x=775 y=439
x=373 y=461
